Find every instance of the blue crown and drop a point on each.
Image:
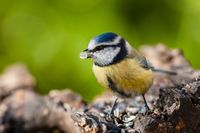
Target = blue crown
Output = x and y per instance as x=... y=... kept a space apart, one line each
x=106 y=37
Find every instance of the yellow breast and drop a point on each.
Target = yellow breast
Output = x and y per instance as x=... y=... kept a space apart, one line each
x=128 y=76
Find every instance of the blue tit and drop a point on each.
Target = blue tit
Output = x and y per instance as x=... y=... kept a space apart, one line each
x=119 y=67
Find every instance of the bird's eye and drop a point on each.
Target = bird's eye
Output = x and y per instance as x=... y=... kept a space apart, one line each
x=99 y=48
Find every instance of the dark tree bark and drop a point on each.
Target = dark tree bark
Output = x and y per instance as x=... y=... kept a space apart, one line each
x=174 y=103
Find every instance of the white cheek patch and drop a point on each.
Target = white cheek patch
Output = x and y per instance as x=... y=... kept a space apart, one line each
x=106 y=56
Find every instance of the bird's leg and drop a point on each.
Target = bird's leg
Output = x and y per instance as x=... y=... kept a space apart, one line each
x=113 y=106
x=145 y=102
x=110 y=115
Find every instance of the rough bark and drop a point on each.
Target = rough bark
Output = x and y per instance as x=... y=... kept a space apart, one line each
x=22 y=110
x=174 y=103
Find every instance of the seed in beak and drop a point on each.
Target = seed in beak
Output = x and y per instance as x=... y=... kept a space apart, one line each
x=84 y=55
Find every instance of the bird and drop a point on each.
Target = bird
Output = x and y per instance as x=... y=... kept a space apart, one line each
x=120 y=67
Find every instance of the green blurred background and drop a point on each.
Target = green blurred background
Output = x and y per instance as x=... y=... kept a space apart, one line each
x=48 y=35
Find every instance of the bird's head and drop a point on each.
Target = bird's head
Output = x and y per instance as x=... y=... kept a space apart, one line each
x=106 y=49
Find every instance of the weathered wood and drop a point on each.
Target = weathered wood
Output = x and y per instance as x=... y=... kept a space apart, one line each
x=22 y=110
x=174 y=103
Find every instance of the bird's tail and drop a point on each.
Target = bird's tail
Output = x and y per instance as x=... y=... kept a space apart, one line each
x=164 y=71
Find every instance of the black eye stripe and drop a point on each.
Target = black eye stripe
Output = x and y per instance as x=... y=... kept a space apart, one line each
x=98 y=48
